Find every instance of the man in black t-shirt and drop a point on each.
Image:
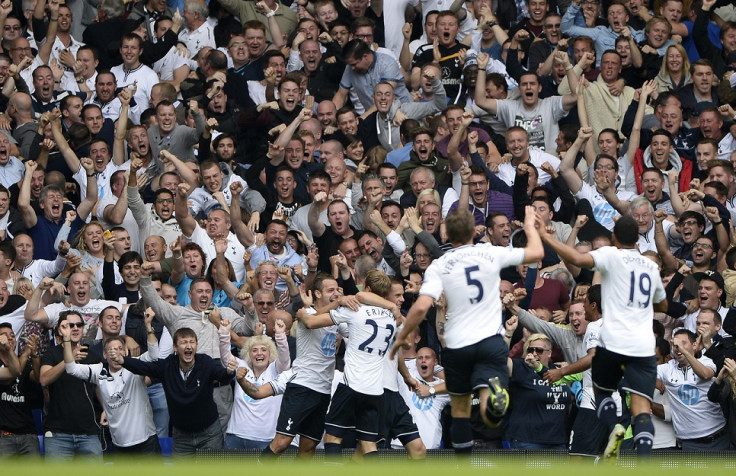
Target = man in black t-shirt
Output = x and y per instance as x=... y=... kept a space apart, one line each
x=72 y=422
x=16 y=422
x=449 y=52
x=328 y=238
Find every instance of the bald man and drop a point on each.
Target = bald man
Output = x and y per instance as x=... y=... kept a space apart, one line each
x=20 y=110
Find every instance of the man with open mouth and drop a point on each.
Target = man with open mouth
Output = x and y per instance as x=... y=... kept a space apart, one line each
x=194 y=317
x=539 y=117
x=603 y=36
x=189 y=381
x=44 y=228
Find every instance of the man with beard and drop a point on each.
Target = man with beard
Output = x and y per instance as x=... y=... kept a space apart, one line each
x=720 y=171
x=177 y=139
x=328 y=238
x=307 y=395
x=481 y=198
x=71 y=419
x=276 y=249
x=106 y=98
x=423 y=154
x=281 y=201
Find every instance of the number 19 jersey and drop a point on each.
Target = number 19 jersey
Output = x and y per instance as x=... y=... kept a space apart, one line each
x=630 y=285
x=372 y=332
x=470 y=278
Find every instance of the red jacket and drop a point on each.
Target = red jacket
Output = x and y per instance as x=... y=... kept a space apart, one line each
x=686 y=173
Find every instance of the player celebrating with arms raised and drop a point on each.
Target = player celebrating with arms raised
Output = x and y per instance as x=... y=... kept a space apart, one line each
x=475 y=355
x=631 y=291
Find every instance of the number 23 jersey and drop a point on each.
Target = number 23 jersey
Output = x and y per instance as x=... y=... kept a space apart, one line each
x=372 y=332
x=470 y=278
x=630 y=284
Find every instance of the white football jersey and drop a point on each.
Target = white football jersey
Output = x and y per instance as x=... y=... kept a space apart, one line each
x=630 y=285
x=372 y=332
x=469 y=276
x=314 y=365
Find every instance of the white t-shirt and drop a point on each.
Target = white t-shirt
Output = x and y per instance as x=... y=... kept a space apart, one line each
x=166 y=66
x=469 y=276
x=197 y=39
x=255 y=419
x=125 y=399
x=603 y=211
x=630 y=285
x=372 y=331
x=128 y=223
x=541 y=122
x=234 y=253
x=507 y=172
x=591 y=341
x=90 y=315
x=426 y=412
x=693 y=415
x=314 y=365
x=146 y=79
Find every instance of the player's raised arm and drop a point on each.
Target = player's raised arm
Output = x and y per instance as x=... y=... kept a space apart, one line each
x=534 y=250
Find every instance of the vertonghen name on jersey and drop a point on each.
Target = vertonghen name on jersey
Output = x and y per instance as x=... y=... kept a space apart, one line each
x=460 y=254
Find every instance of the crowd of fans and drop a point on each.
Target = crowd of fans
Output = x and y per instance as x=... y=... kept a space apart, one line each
x=184 y=177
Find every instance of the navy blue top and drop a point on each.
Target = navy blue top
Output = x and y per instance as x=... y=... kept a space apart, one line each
x=191 y=406
x=538 y=409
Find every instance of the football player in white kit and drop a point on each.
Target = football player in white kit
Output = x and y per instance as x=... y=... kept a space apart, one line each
x=631 y=291
x=356 y=404
x=475 y=354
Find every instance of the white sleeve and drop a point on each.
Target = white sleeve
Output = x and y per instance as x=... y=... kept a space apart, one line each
x=396 y=242
x=85 y=372
x=432 y=284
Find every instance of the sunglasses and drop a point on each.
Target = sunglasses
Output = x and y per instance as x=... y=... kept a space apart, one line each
x=535 y=350
x=264 y=303
x=78 y=325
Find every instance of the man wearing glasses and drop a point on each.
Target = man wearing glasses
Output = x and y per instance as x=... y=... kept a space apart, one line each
x=606 y=170
x=72 y=422
x=123 y=394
